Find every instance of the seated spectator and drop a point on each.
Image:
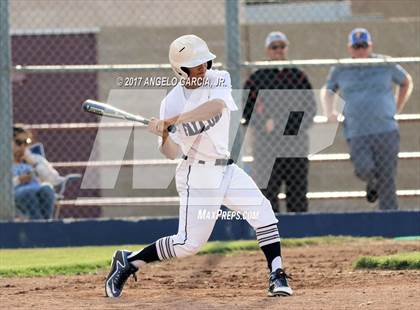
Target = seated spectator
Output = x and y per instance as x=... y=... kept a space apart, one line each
x=33 y=179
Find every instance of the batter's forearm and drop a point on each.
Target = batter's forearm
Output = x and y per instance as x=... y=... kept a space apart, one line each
x=169 y=148
x=203 y=112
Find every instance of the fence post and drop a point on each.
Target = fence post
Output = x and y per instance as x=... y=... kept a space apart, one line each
x=233 y=61
x=232 y=42
x=7 y=208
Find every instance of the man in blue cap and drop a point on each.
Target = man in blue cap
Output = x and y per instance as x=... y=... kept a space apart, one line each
x=370 y=126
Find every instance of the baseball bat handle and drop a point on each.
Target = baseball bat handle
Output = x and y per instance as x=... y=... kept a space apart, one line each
x=172 y=128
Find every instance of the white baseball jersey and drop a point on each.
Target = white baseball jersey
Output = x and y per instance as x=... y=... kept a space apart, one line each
x=203 y=139
x=204 y=187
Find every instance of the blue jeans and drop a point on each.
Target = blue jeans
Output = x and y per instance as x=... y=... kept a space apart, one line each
x=375 y=158
x=35 y=202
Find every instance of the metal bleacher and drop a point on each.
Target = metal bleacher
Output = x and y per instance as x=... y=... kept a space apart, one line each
x=332 y=184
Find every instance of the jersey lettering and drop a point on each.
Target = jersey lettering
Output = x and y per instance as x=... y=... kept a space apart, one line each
x=195 y=128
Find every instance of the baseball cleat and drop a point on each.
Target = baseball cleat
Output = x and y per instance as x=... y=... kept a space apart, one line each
x=121 y=269
x=278 y=284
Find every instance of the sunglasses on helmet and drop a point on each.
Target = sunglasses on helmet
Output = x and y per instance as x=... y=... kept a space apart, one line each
x=20 y=142
x=357 y=46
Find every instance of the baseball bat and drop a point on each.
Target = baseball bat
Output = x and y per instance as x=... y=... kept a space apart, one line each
x=103 y=109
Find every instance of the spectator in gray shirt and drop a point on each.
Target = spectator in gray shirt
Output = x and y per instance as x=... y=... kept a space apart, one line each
x=369 y=109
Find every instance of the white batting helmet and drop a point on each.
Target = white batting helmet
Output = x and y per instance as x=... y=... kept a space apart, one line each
x=189 y=51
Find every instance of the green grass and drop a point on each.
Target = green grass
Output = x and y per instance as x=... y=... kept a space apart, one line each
x=52 y=261
x=410 y=260
x=408 y=238
x=78 y=260
x=325 y=240
x=224 y=247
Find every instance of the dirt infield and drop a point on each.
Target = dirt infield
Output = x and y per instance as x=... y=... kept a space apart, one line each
x=323 y=278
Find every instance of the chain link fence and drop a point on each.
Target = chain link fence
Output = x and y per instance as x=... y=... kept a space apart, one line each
x=65 y=52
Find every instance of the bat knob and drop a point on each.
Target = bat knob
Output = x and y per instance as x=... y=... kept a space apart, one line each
x=85 y=106
x=172 y=128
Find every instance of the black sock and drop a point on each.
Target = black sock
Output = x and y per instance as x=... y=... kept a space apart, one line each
x=148 y=254
x=271 y=251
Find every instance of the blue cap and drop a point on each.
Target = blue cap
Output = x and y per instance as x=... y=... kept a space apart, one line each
x=359 y=35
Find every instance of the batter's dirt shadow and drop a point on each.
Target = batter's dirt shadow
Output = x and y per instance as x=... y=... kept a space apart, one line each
x=206 y=274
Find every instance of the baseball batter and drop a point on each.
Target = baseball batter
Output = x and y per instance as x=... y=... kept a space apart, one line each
x=199 y=106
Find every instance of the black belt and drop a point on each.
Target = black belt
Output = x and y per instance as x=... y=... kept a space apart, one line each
x=217 y=162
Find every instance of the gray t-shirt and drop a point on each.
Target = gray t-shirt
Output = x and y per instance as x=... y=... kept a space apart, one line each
x=368 y=95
